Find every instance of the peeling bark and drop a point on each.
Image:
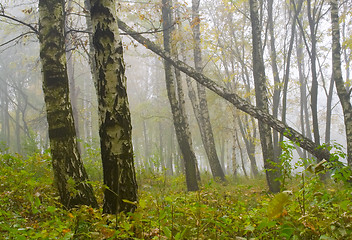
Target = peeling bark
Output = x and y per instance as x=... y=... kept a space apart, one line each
x=70 y=175
x=115 y=128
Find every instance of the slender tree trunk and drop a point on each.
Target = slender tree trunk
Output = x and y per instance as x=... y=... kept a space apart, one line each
x=223 y=148
x=242 y=158
x=346 y=51
x=329 y=111
x=92 y=65
x=314 y=88
x=304 y=112
x=204 y=118
x=69 y=172
x=288 y=64
x=161 y=147
x=146 y=142
x=115 y=128
x=18 y=126
x=171 y=151
x=272 y=171
x=91 y=52
x=337 y=75
x=5 y=125
x=277 y=85
x=233 y=157
x=250 y=144
x=177 y=106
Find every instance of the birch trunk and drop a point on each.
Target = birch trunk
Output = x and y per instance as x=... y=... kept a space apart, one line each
x=272 y=171
x=203 y=117
x=115 y=128
x=177 y=106
x=70 y=175
x=337 y=75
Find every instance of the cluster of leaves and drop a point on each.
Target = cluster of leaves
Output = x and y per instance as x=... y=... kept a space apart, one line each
x=241 y=208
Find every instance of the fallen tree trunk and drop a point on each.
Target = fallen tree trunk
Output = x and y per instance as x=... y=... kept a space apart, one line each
x=231 y=97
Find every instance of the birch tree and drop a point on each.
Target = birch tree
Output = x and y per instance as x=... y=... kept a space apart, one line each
x=272 y=171
x=115 y=127
x=344 y=96
x=69 y=173
x=177 y=105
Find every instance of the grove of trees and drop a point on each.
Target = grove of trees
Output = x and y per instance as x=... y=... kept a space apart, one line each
x=131 y=88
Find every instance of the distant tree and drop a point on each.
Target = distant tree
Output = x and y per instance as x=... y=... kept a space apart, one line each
x=70 y=175
x=5 y=116
x=115 y=128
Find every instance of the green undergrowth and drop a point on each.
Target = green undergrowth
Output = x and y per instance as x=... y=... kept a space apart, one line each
x=239 y=209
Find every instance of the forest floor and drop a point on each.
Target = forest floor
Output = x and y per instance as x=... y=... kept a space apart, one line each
x=239 y=209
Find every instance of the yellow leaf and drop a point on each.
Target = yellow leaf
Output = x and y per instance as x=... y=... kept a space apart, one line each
x=277 y=204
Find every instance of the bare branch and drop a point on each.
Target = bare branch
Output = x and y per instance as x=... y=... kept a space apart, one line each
x=34 y=29
x=16 y=38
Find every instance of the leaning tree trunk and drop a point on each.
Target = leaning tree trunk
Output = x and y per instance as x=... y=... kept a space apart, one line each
x=272 y=171
x=70 y=175
x=115 y=128
x=337 y=75
x=177 y=107
x=203 y=117
x=233 y=98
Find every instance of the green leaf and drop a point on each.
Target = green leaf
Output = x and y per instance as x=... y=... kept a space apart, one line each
x=286 y=230
x=167 y=232
x=51 y=209
x=325 y=237
x=168 y=199
x=266 y=224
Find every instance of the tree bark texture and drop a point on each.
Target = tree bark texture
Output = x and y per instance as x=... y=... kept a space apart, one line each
x=177 y=106
x=261 y=96
x=231 y=97
x=115 y=128
x=203 y=117
x=70 y=175
x=337 y=75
